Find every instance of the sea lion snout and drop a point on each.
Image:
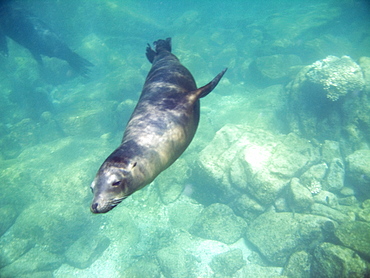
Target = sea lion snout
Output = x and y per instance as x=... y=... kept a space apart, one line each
x=94 y=208
x=103 y=206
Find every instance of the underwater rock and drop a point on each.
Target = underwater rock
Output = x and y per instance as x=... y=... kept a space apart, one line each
x=49 y=128
x=8 y=215
x=84 y=251
x=348 y=201
x=355 y=235
x=358 y=171
x=244 y=159
x=326 y=198
x=88 y=117
x=56 y=229
x=278 y=235
x=226 y=264
x=35 y=260
x=20 y=135
x=331 y=260
x=246 y=207
x=175 y=262
x=330 y=150
x=12 y=248
x=188 y=20
x=336 y=215
x=325 y=99
x=364 y=213
x=313 y=177
x=300 y=22
x=170 y=184
x=142 y=268
x=257 y=271
x=347 y=191
x=336 y=76
x=364 y=63
x=218 y=222
x=281 y=204
x=301 y=197
x=334 y=181
x=275 y=68
x=188 y=210
x=298 y=265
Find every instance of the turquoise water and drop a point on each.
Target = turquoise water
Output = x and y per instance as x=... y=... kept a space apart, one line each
x=276 y=182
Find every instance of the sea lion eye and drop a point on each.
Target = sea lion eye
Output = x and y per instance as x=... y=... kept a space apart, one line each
x=116 y=183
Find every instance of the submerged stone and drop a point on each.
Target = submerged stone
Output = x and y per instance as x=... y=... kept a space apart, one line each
x=331 y=260
x=336 y=215
x=276 y=68
x=143 y=269
x=83 y=252
x=257 y=271
x=8 y=215
x=334 y=181
x=301 y=197
x=355 y=235
x=359 y=170
x=227 y=263
x=244 y=159
x=299 y=265
x=278 y=235
x=218 y=222
x=35 y=260
x=175 y=262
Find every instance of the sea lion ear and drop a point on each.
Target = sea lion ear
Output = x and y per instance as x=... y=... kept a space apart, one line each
x=133 y=165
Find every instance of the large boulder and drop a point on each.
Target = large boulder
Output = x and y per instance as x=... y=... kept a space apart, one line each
x=324 y=100
x=331 y=260
x=355 y=235
x=278 y=235
x=226 y=264
x=299 y=265
x=35 y=260
x=359 y=170
x=336 y=76
x=218 y=222
x=175 y=262
x=275 y=68
x=242 y=159
x=84 y=251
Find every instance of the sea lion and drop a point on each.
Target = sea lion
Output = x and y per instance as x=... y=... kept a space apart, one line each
x=160 y=129
x=34 y=34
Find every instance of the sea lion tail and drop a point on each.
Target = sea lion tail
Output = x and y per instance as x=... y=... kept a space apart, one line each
x=159 y=45
x=205 y=90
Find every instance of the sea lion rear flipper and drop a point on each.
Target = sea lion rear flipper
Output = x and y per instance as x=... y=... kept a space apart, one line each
x=206 y=89
x=159 y=45
x=79 y=64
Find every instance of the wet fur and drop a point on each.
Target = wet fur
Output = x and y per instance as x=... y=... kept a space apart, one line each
x=160 y=129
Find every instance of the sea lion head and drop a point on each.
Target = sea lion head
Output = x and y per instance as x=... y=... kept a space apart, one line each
x=111 y=185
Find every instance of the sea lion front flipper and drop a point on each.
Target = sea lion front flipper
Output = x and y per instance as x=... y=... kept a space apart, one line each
x=206 y=89
x=150 y=53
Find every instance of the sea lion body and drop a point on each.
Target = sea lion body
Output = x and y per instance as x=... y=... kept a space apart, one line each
x=160 y=129
x=35 y=35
